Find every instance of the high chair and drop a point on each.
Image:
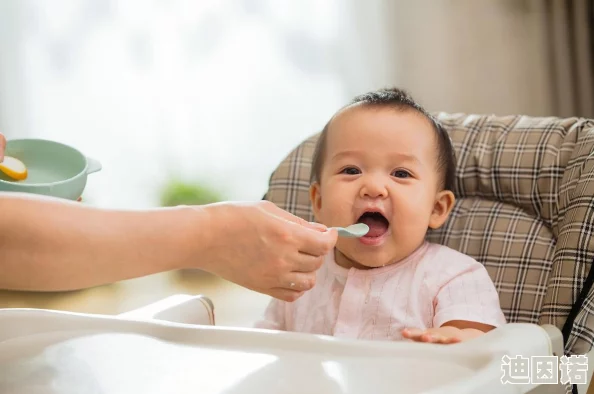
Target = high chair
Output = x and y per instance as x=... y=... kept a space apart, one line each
x=525 y=209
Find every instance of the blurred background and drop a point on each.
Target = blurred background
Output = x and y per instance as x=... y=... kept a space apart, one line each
x=195 y=101
x=173 y=94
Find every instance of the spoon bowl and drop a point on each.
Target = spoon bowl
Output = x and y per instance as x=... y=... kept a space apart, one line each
x=356 y=230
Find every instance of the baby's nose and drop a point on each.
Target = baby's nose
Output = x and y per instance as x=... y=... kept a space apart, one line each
x=374 y=187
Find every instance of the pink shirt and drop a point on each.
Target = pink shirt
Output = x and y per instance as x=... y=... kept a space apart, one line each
x=434 y=285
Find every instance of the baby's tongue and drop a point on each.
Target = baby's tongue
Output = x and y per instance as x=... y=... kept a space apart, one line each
x=377 y=226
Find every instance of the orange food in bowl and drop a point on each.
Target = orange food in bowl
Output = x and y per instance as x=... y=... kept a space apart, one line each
x=14 y=168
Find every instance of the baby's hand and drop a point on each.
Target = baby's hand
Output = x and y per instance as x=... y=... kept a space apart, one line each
x=443 y=335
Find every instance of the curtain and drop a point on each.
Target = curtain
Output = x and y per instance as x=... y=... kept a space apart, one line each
x=571 y=46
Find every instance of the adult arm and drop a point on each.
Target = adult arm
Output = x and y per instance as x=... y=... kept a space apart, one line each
x=49 y=244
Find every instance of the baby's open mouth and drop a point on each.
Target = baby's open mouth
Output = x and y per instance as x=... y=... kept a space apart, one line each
x=378 y=224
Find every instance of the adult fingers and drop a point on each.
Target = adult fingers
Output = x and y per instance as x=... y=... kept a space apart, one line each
x=307 y=263
x=315 y=243
x=285 y=294
x=277 y=211
x=316 y=226
x=313 y=238
x=298 y=281
x=2 y=146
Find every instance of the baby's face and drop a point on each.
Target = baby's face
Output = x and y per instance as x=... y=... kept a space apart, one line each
x=380 y=168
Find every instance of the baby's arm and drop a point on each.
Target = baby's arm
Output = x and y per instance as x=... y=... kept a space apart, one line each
x=466 y=305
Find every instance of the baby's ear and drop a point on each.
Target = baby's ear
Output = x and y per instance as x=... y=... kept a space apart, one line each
x=315 y=198
x=444 y=203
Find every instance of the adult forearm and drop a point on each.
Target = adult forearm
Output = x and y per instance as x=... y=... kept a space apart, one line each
x=48 y=245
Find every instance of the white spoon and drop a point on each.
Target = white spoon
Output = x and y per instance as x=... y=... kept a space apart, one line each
x=353 y=231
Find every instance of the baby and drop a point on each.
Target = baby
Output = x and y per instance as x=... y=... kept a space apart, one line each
x=384 y=161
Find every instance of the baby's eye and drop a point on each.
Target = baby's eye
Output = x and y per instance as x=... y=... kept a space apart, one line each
x=401 y=174
x=351 y=171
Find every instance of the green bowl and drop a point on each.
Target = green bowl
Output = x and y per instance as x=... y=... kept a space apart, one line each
x=54 y=169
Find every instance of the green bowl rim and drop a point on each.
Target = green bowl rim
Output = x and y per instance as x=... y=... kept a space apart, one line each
x=31 y=185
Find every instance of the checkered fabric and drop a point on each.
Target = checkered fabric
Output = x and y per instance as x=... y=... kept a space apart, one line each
x=525 y=209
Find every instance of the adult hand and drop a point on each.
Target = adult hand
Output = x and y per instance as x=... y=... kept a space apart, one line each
x=264 y=248
x=2 y=146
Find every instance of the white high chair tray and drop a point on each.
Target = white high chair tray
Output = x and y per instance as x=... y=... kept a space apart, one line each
x=43 y=351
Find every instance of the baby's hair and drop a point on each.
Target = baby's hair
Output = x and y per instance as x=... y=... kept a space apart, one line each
x=400 y=100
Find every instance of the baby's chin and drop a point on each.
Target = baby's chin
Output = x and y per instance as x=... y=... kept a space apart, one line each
x=347 y=260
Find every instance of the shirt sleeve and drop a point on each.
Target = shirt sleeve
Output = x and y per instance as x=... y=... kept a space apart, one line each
x=466 y=292
x=274 y=316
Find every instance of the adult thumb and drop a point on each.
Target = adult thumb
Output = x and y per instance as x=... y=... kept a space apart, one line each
x=2 y=147
x=316 y=226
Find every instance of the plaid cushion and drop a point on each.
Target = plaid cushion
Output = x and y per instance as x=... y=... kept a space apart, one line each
x=525 y=209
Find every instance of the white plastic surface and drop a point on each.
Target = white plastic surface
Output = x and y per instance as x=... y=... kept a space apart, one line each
x=60 y=352
x=180 y=308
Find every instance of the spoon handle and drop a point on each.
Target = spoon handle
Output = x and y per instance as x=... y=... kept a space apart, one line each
x=344 y=233
x=349 y=233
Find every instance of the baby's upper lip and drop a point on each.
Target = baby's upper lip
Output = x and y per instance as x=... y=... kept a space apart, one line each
x=371 y=208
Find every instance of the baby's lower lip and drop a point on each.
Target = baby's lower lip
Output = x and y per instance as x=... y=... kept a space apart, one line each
x=373 y=241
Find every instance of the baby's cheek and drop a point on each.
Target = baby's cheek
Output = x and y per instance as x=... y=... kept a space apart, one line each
x=329 y=217
x=409 y=233
x=416 y=212
x=337 y=214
